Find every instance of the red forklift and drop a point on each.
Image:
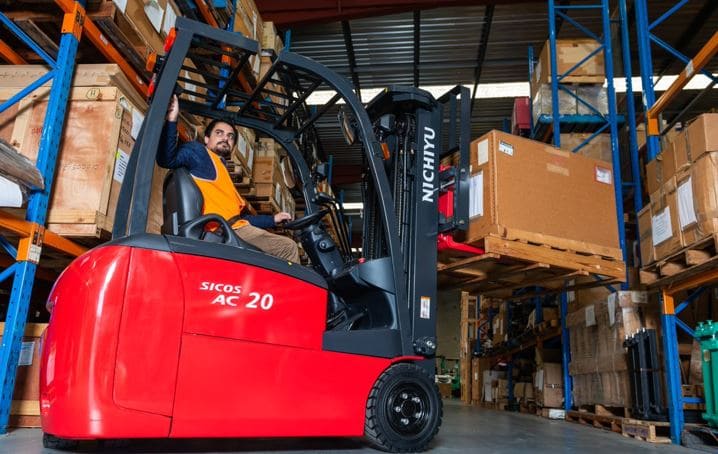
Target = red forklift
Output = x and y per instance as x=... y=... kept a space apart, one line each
x=193 y=333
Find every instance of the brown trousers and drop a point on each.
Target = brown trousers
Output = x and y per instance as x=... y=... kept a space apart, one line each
x=271 y=243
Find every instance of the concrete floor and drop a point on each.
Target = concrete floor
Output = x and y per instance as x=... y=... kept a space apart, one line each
x=465 y=429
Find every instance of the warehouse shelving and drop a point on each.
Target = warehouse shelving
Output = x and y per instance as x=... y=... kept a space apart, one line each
x=595 y=123
x=698 y=277
x=31 y=230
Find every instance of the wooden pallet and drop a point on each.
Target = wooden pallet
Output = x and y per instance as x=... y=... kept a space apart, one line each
x=511 y=264
x=650 y=431
x=602 y=421
x=689 y=261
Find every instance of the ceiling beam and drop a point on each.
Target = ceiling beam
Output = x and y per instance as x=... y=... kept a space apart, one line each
x=417 y=41
x=481 y=53
x=351 y=57
x=290 y=13
x=696 y=25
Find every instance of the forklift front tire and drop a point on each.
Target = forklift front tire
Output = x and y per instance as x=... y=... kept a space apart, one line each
x=404 y=410
x=52 y=442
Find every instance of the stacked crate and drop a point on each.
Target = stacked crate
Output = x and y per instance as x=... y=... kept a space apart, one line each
x=271 y=45
x=586 y=82
x=103 y=119
x=272 y=177
x=598 y=323
x=682 y=215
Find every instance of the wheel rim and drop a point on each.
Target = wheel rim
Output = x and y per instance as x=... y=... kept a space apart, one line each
x=408 y=409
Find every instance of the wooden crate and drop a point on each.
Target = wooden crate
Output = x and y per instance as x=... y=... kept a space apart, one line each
x=102 y=120
x=25 y=407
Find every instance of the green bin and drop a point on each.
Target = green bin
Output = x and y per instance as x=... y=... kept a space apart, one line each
x=707 y=335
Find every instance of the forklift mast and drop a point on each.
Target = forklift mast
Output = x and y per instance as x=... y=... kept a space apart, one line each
x=404 y=134
x=419 y=132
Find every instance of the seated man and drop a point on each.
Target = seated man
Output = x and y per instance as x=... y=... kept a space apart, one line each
x=206 y=164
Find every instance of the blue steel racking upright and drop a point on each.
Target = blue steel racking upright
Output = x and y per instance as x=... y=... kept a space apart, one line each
x=28 y=252
x=596 y=122
x=653 y=108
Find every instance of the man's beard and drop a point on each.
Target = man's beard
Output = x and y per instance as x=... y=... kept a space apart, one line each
x=223 y=149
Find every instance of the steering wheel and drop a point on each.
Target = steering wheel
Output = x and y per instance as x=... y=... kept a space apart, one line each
x=306 y=221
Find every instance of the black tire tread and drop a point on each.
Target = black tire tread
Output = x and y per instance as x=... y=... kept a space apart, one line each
x=61 y=444
x=372 y=431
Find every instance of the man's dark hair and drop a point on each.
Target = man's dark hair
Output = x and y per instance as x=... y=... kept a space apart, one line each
x=210 y=127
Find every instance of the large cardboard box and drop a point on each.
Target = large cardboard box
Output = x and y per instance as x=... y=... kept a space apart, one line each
x=598 y=360
x=520 y=187
x=697 y=199
x=549 y=385
x=569 y=52
x=665 y=227
x=702 y=136
x=597 y=148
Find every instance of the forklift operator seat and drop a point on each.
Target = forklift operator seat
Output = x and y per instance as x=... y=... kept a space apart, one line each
x=182 y=203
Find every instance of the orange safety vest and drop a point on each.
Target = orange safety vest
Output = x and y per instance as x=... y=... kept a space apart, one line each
x=220 y=195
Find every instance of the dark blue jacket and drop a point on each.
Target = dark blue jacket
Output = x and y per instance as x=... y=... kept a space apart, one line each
x=193 y=156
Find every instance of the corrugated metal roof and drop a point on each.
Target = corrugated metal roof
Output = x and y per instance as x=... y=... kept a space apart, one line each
x=449 y=41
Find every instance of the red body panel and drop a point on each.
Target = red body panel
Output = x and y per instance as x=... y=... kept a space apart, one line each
x=146 y=343
x=239 y=301
x=245 y=389
x=77 y=371
x=150 y=332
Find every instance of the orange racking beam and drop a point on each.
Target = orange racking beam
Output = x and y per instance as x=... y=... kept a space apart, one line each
x=694 y=66
x=50 y=239
x=9 y=55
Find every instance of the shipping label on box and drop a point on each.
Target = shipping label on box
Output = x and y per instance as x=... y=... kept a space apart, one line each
x=661 y=226
x=686 y=210
x=476 y=195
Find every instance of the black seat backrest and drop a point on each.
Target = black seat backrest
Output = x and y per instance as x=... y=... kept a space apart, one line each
x=182 y=200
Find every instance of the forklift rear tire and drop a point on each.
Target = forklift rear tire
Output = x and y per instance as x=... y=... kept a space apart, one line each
x=52 y=442
x=404 y=410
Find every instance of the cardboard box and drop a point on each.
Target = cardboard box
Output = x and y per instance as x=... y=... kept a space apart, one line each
x=665 y=228
x=490 y=383
x=645 y=235
x=270 y=39
x=549 y=313
x=569 y=52
x=661 y=169
x=576 y=189
x=598 y=360
x=25 y=407
x=697 y=199
x=549 y=385
x=598 y=148
x=702 y=136
x=445 y=390
x=681 y=151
